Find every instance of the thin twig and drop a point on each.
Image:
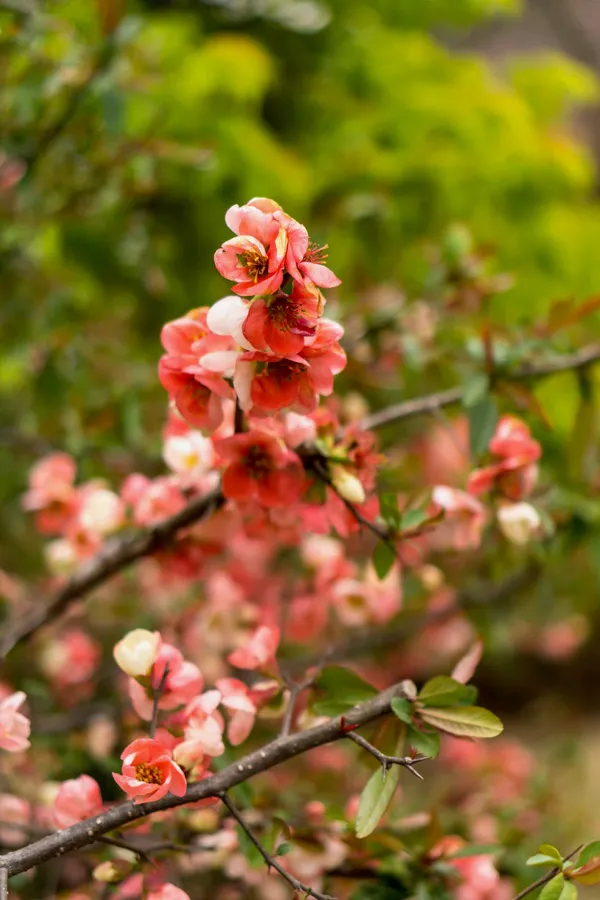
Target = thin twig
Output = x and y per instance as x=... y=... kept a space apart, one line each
x=271 y=862
x=295 y=689
x=408 y=762
x=85 y=833
x=545 y=878
x=408 y=408
x=125 y=845
x=116 y=555
x=158 y=691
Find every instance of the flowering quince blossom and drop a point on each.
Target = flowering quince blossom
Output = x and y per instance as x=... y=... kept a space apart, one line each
x=203 y=734
x=149 y=772
x=77 y=799
x=259 y=652
x=137 y=652
x=52 y=494
x=519 y=522
x=516 y=473
x=182 y=683
x=14 y=726
x=260 y=467
x=236 y=698
x=463 y=522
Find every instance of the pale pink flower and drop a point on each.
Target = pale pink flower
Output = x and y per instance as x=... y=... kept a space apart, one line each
x=259 y=651
x=71 y=658
x=14 y=726
x=100 y=511
x=77 y=799
x=17 y=811
x=52 y=493
x=463 y=523
x=226 y=317
x=191 y=456
x=149 y=772
x=183 y=682
x=235 y=697
x=204 y=728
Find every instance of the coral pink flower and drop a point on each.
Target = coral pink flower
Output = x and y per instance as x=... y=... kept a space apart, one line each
x=14 y=726
x=256 y=268
x=168 y=892
x=14 y=811
x=51 y=492
x=183 y=682
x=235 y=697
x=149 y=772
x=72 y=658
x=304 y=259
x=152 y=500
x=260 y=467
x=258 y=652
x=516 y=474
x=283 y=323
x=77 y=799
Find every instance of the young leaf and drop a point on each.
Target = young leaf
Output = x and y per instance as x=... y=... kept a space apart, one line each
x=403 y=709
x=383 y=559
x=426 y=742
x=342 y=689
x=589 y=852
x=483 y=417
x=541 y=859
x=388 y=507
x=475 y=390
x=551 y=850
x=375 y=799
x=283 y=849
x=445 y=691
x=559 y=889
x=463 y=721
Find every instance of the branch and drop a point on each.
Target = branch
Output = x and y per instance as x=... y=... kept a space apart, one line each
x=278 y=751
x=408 y=762
x=271 y=862
x=116 y=555
x=545 y=878
x=428 y=404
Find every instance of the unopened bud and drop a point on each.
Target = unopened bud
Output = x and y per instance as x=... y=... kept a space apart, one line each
x=112 y=871
x=136 y=653
x=347 y=485
x=519 y=522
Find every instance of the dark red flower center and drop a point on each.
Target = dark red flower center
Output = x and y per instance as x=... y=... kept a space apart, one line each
x=257 y=462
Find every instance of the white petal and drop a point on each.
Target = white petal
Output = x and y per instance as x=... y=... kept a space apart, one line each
x=226 y=315
x=242 y=382
x=220 y=361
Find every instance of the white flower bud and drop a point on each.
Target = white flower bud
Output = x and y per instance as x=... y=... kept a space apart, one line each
x=136 y=653
x=519 y=522
x=347 y=485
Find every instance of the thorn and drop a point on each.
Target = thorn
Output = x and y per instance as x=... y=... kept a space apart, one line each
x=414 y=771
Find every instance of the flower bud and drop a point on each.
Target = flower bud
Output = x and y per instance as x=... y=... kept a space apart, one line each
x=347 y=485
x=112 y=871
x=519 y=522
x=136 y=653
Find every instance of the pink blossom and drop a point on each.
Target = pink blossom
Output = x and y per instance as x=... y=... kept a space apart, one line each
x=52 y=493
x=71 y=658
x=235 y=697
x=14 y=726
x=152 y=501
x=77 y=799
x=149 y=772
x=464 y=520
x=167 y=892
x=100 y=511
x=204 y=728
x=284 y=322
x=183 y=682
x=14 y=811
x=516 y=473
x=260 y=467
x=305 y=260
x=191 y=456
x=257 y=269
x=259 y=651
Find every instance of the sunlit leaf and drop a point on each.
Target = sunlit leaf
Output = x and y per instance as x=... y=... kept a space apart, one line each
x=463 y=721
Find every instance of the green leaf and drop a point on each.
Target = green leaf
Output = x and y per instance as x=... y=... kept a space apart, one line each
x=445 y=691
x=404 y=709
x=283 y=849
x=589 y=852
x=413 y=518
x=464 y=721
x=388 y=507
x=426 y=742
x=483 y=417
x=375 y=799
x=541 y=859
x=559 y=889
x=552 y=851
x=342 y=690
x=383 y=559
x=475 y=390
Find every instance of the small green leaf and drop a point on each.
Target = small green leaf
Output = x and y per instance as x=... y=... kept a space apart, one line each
x=375 y=799
x=464 y=721
x=540 y=859
x=426 y=742
x=283 y=849
x=551 y=850
x=414 y=518
x=445 y=691
x=475 y=390
x=589 y=852
x=483 y=417
x=383 y=559
x=559 y=889
x=340 y=690
x=404 y=709
x=388 y=507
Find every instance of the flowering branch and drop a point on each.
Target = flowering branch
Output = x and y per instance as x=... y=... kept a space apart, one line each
x=277 y=751
x=270 y=860
x=545 y=878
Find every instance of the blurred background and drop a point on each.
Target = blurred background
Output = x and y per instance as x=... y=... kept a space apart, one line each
x=446 y=150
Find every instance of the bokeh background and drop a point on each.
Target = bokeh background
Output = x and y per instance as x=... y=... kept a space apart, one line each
x=417 y=138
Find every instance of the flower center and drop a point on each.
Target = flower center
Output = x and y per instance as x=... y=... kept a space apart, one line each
x=255 y=263
x=316 y=254
x=149 y=774
x=257 y=462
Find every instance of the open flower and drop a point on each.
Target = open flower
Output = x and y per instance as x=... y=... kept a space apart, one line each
x=204 y=729
x=149 y=772
x=235 y=697
x=260 y=467
x=305 y=260
x=257 y=269
x=14 y=726
x=259 y=651
x=516 y=473
x=282 y=323
x=77 y=799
